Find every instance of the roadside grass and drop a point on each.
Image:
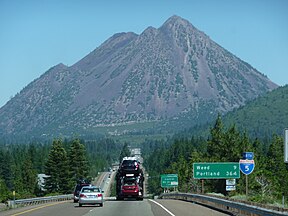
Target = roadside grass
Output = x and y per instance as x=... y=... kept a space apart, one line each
x=113 y=188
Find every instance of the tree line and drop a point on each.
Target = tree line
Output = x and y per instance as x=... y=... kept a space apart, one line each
x=63 y=162
x=66 y=161
x=268 y=181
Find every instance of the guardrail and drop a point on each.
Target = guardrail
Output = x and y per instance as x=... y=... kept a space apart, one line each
x=38 y=200
x=233 y=207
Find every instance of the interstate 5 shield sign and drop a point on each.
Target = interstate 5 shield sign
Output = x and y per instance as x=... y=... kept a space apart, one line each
x=246 y=166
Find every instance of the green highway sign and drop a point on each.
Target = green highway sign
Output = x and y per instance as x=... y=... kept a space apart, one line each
x=224 y=170
x=169 y=180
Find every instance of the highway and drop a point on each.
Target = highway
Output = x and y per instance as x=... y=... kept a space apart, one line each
x=152 y=208
x=130 y=207
x=146 y=207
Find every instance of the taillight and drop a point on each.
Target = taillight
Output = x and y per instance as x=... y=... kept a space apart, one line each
x=100 y=195
x=82 y=195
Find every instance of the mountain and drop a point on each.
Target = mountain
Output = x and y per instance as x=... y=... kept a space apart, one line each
x=264 y=116
x=171 y=72
x=260 y=118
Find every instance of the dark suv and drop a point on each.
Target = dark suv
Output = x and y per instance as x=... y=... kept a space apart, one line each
x=78 y=188
x=130 y=165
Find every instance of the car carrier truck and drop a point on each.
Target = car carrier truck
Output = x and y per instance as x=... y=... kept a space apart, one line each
x=129 y=179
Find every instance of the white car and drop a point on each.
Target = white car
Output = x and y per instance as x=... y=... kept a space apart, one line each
x=91 y=195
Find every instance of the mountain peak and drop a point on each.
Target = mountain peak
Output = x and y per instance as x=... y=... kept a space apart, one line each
x=175 y=18
x=176 y=21
x=149 y=31
x=177 y=24
x=174 y=71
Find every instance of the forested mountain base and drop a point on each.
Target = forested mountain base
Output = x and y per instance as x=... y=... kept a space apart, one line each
x=20 y=164
x=267 y=183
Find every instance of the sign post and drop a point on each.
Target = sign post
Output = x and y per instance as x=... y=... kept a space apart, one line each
x=230 y=184
x=247 y=155
x=223 y=170
x=219 y=170
x=247 y=166
x=14 y=194
x=169 y=181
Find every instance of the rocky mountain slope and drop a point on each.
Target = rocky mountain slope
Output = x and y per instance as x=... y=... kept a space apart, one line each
x=160 y=74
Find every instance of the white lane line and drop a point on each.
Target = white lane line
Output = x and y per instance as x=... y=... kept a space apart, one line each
x=162 y=207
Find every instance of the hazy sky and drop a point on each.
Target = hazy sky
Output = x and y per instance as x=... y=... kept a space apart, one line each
x=38 y=34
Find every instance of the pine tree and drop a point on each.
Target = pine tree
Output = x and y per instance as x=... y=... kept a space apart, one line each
x=183 y=174
x=231 y=151
x=78 y=162
x=259 y=180
x=57 y=170
x=19 y=186
x=6 y=168
x=29 y=176
x=4 y=192
x=223 y=147
x=196 y=157
x=125 y=152
x=277 y=167
x=216 y=144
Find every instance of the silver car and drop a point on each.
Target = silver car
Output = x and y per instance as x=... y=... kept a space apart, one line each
x=91 y=195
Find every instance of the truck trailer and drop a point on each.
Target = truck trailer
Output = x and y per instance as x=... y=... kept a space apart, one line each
x=129 y=180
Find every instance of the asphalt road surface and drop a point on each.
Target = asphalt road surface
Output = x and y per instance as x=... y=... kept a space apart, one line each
x=117 y=208
x=129 y=207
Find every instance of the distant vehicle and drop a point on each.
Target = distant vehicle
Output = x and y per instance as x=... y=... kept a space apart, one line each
x=78 y=188
x=130 y=165
x=91 y=195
